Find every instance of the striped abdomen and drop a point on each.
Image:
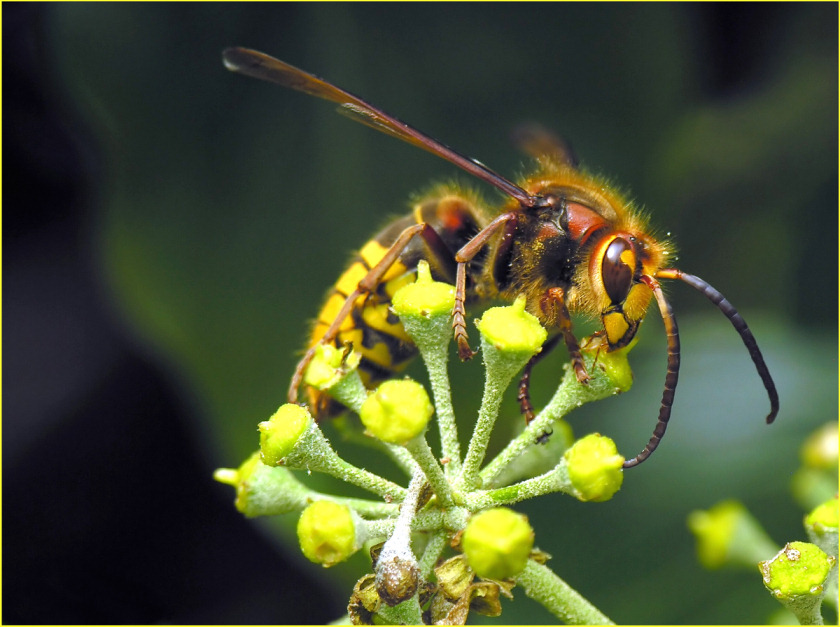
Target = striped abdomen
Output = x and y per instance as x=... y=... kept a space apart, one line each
x=372 y=329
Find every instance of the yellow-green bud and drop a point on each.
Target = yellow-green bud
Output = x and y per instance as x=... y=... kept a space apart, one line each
x=280 y=433
x=728 y=535
x=327 y=533
x=328 y=366
x=820 y=449
x=497 y=542
x=239 y=479
x=425 y=297
x=397 y=411
x=799 y=569
x=512 y=329
x=715 y=530
x=824 y=517
x=595 y=468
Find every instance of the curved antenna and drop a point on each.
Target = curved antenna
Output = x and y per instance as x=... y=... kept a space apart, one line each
x=672 y=375
x=740 y=326
x=259 y=65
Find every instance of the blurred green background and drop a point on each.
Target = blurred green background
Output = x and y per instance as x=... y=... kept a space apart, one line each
x=203 y=215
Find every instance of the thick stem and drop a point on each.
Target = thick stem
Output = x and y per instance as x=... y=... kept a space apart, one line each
x=406 y=613
x=542 y=585
x=436 y=357
x=500 y=368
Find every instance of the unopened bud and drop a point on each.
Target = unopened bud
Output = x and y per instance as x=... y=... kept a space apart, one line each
x=799 y=569
x=595 y=468
x=398 y=411
x=728 y=535
x=820 y=449
x=497 y=542
x=280 y=433
x=613 y=363
x=327 y=533
x=329 y=365
x=511 y=329
x=239 y=479
x=824 y=518
x=425 y=297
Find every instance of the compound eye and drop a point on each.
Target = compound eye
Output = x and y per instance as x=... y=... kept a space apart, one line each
x=617 y=269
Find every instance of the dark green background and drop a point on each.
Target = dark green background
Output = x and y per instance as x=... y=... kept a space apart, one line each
x=170 y=228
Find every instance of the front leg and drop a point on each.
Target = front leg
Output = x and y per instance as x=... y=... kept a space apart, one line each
x=553 y=304
x=463 y=257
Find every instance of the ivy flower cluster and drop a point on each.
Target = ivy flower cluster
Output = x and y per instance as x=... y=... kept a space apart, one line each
x=447 y=542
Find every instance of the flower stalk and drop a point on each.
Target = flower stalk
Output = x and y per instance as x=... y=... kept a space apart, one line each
x=509 y=338
x=425 y=458
x=425 y=310
x=545 y=587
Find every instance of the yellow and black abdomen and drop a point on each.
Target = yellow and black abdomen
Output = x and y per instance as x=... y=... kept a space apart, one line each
x=375 y=333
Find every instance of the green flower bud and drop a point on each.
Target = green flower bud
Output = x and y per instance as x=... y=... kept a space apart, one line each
x=239 y=479
x=727 y=534
x=799 y=569
x=824 y=518
x=594 y=468
x=820 y=449
x=327 y=533
x=280 y=433
x=398 y=411
x=497 y=542
x=512 y=329
x=329 y=365
x=425 y=297
x=715 y=530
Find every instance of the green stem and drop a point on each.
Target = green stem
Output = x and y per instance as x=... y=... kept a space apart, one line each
x=436 y=357
x=349 y=391
x=500 y=367
x=434 y=548
x=556 y=480
x=405 y=613
x=806 y=609
x=569 y=395
x=542 y=585
x=422 y=454
x=481 y=434
x=398 y=454
x=365 y=479
x=314 y=453
x=275 y=490
x=382 y=528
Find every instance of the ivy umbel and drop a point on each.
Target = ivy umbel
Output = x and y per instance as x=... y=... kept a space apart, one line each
x=446 y=542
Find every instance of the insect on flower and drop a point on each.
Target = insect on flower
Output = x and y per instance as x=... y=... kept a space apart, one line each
x=563 y=238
